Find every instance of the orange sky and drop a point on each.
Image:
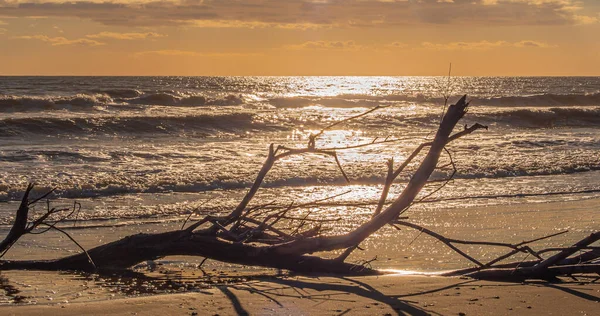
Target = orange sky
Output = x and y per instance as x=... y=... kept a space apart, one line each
x=299 y=37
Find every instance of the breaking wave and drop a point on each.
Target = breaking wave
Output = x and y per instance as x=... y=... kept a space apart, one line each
x=552 y=117
x=88 y=102
x=211 y=124
x=549 y=100
x=35 y=103
x=350 y=100
x=520 y=118
x=120 y=93
x=199 y=100
x=204 y=125
x=82 y=102
x=89 y=190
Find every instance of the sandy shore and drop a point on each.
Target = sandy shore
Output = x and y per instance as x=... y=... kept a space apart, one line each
x=230 y=289
x=384 y=295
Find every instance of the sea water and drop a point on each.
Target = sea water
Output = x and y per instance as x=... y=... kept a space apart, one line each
x=135 y=150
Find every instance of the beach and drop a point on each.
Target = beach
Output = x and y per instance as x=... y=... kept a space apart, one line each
x=384 y=295
x=175 y=285
x=154 y=154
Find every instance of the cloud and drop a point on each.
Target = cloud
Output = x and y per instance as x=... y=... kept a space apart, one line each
x=60 y=41
x=126 y=36
x=3 y=23
x=585 y=20
x=396 y=45
x=2 y=31
x=483 y=45
x=168 y=52
x=306 y=14
x=475 y=45
x=256 y=25
x=175 y=52
x=532 y=44
x=326 y=45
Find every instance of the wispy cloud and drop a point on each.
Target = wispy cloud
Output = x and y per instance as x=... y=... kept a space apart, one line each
x=396 y=45
x=535 y=44
x=586 y=20
x=126 y=36
x=483 y=45
x=474 y=45
x=60 y=41
x=256 y=24
x=175 y=52
x=306 y=14
x=326 y=45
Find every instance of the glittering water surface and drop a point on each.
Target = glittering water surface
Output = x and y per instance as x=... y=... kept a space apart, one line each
x=139 y=149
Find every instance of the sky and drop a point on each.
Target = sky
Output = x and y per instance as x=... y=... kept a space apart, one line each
x=300 y=37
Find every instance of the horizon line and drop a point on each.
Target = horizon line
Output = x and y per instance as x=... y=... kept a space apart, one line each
x=454 y=76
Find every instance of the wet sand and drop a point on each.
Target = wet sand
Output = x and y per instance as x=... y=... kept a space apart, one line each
x=384 y=295
x=175 y=286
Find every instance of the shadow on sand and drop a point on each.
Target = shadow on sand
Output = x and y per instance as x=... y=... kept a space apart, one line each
x=343 y=291
x=273 y=288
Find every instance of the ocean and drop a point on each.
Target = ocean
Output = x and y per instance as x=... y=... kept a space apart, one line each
x=137 y=150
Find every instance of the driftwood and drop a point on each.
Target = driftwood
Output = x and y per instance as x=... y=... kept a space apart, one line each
x=254 y=235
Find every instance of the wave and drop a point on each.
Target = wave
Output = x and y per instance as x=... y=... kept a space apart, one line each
x=164 y=98
x=208 y=124
x=104 y=97
x=83 y=156
x=520 y=118
x=549 y=100
x=194 y=125
x=34 y=103
x=89 y=102
x=120 y=93
x=355 y=100
x=89 y=190
x=552 y=117
x=493 y=172
x=342 y=101
x=34 y=155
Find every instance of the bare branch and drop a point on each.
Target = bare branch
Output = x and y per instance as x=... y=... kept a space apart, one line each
x=446 y=241
x=337 y=161
x=389 y=179
x=566 y=253
x=18 y=228
x=41 y=197
x=349 y=119
x=74 y=241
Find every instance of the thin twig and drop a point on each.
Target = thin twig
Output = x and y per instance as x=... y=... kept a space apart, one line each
x=41 y=197
x=188 y=218
x=74 y=241
x=349 y=119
